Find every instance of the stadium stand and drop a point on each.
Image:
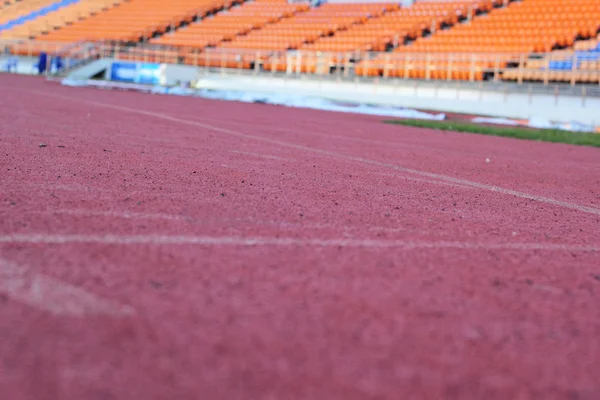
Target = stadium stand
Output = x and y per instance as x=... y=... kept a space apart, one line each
x=468 y=50
x=304 y=29
x=21 y=10
x=408 y=24
x=136 y=20
x=58 y=18
x=524 y=40
x=225 y=26
x=5 y=3
x=579 y=66
x=395 y=26
x=521 y=27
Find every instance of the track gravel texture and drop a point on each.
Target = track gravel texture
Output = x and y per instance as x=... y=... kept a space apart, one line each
x=156 y=247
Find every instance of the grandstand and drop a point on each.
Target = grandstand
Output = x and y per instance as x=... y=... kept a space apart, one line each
x=469 y=40
x=136 y=20
x=58 y=18
x=305 y=29
x=581 y=65
x=226 y=26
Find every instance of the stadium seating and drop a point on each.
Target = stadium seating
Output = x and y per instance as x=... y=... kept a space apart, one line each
x=411 y=24
x=136 y=20
x=467 y=51
x=5 y=3
x=579 y=66
x=432 y=39
x=342 y=28
x=225 y=26
x=59 y=18
x=304 y=29
x=522 y=27
x=22 y=9
x=397 y=25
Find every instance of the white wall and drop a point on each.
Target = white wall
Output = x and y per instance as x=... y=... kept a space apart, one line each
x=409 y=94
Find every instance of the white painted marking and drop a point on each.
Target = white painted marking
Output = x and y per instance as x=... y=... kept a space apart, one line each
x=123 y=214
x=435 y=182
x=432 y=175
x=168 y=217
x=283 y=242
x=261 y=155
x=276 y=223
x=54 y=296
x=373 y=142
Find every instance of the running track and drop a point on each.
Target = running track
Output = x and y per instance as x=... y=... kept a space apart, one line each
x=173 y=248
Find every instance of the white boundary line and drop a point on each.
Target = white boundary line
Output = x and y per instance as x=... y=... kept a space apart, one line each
x=431 y=175
x=194 y=219
x=281 y=242
x=122 y=214
x=268 y=157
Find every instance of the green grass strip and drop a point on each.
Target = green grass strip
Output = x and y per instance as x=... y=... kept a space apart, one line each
x=543 y=135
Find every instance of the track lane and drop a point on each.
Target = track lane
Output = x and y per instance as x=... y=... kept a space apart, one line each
x=291 y=321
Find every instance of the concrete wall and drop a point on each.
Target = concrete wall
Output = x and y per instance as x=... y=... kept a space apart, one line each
x=494 y=102
x=175 y=73
x=425 y=97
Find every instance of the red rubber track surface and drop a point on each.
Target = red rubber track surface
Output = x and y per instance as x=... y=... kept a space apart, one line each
x=173 y=248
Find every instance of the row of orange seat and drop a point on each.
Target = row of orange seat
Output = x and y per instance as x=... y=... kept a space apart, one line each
x=228 y=25
x=392 y=28
x=19 y=9
x=58 y=19
x=307 y=27
x=136 y=20
x=239 y=29
x=523 y=34
x=522 y=37
x=535 y=75
x=5 y=3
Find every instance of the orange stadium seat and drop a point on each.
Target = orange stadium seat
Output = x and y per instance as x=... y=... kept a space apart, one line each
x=18 y=9
x=135 y=20
x=467 y=50
x=5 y=3
x=522 y=27
x=305 y=28
x=226 y=26
x=410 y=23
x=394 y=27
x=431 y=39
x=580 y=65
x=61 y=17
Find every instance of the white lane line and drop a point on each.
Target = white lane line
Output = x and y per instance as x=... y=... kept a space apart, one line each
x=374 y=142
x=431 y=175
x=192 y=219
x=54 y=296
x=273 y=223
x=282 y=242
x=247 y=153
x=435 y=182
x=123 y=215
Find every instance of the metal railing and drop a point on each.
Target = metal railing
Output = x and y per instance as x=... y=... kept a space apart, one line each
x=519 y=69
x=471 y=67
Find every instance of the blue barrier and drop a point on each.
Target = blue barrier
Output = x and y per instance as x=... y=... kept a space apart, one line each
x=148 y=74
x=36 y=14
